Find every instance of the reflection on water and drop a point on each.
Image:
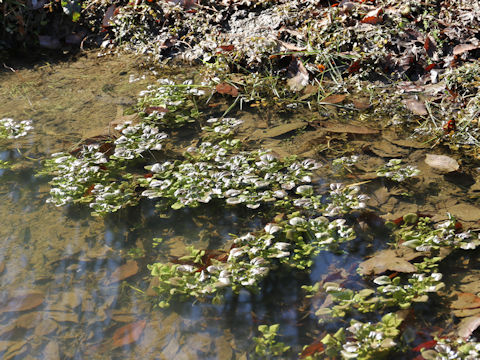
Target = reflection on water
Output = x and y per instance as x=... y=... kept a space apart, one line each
x=62 y=271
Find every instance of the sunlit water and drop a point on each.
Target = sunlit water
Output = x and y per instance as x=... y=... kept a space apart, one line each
x=60 y=295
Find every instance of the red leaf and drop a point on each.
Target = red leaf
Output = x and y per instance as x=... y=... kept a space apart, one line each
x=224 y=88
x=430 y=67
x=227 y=47
x=354 y=67
x=128 y=334
x=373 y=17
x=429 y=46
x=312 y=349
x=426 y=345
x=151 y=109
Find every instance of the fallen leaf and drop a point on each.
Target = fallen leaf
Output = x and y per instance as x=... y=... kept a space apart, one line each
x=460 y=49
x=373 y=17
x=224 y=88
x=298 y=75
x=334 y=99
x=159 y=109
x=128 y=269
x=441 y=163
x=429 y=46
x=426 y=345
x=385 y=260
x=416 y=107
x=354 y=67
x=51 y=351
x=109 y=17
x=466 y=301
x=128 y=334
x=312 y=349
x=361 y=104
x=465 y=212
x=227 y=47
x=277 y=130
x=2 y=267
x=467 y=326
x=23 y=302
x=345 y=128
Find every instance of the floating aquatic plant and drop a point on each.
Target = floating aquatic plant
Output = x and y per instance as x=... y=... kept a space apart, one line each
x=221 y=128
x=136 y=139
x=421 y=234
x=446 y=348
x=293 y=242
x=364 y=341
x=344 y=164
x=11 y=129
x=266 y=345
x=396 y=172
x=217 y=171
x=170 y=104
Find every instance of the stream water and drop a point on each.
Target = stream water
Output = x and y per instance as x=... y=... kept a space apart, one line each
x=61 y=269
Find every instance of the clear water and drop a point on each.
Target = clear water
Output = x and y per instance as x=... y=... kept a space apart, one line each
x=68 y=259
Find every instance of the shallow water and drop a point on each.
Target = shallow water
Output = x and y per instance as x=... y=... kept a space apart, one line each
x=61 y=297
x=58 y=287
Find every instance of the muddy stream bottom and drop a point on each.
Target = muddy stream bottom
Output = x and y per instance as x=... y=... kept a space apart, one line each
x=75 y=286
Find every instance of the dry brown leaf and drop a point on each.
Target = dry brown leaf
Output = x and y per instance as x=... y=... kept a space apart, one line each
x=298 y=75
x=277 y=130
x=346 y=128
x=128 y=334
x=383 y=261
x=442 y=163
x=373 y=17
x=224 y=88
x=467 y=326
x=128 y=269
x=415 y=106
x=23 y=302
x=466 y=301
x=334 y=99
x=460 y=49
x=361 y=104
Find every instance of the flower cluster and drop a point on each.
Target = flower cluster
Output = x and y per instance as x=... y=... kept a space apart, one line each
x=170 y=104
x=396 y=172
x=136 y=139
x=422 y=236
x=11 y=129
x=216 y=171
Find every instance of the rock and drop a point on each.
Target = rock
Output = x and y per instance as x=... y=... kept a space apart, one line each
x=442 y=163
